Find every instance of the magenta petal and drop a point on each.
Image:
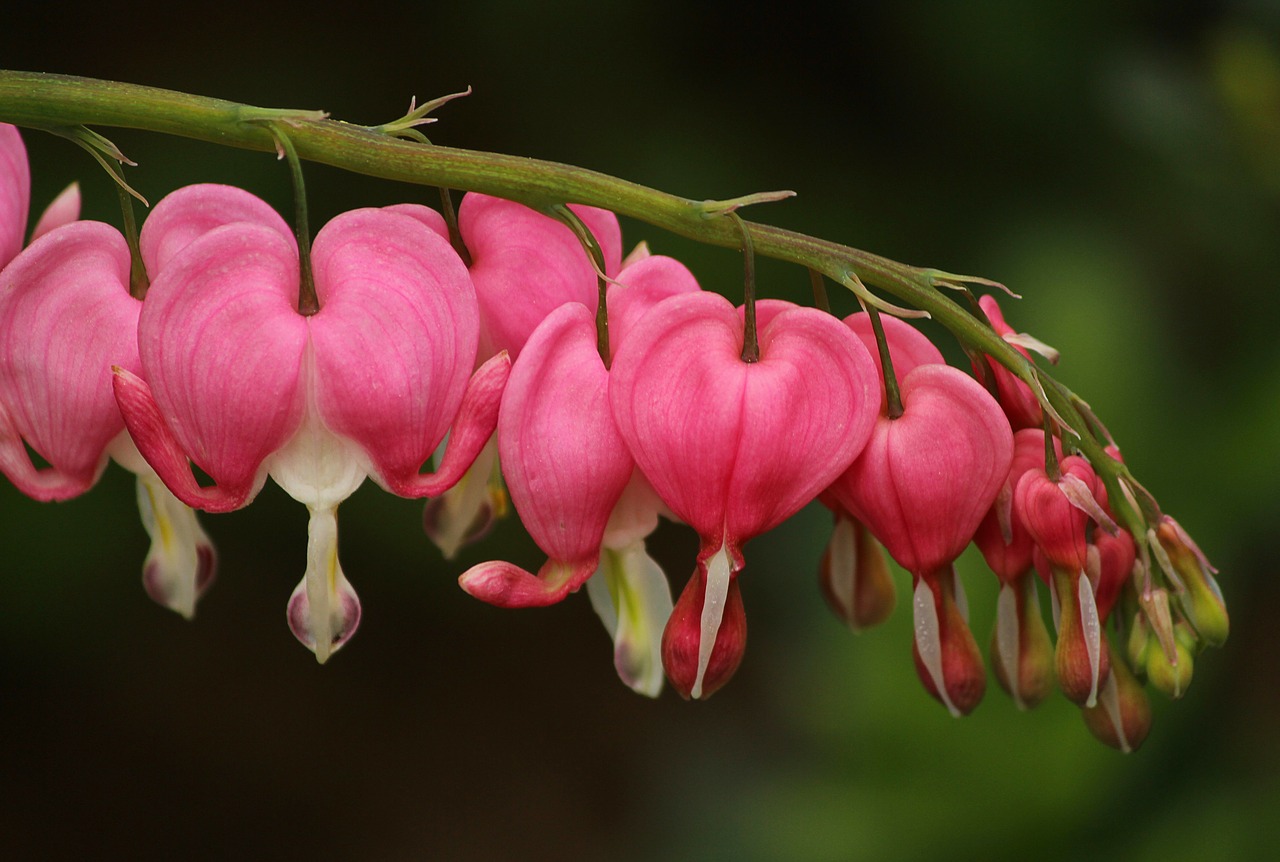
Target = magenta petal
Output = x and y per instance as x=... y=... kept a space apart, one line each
x=471 y=430
x=509 y=586
x=925 y=479
x=222 y=346
x=192 y=211
x=426 y=215
x=737 y=446
x=640 y=286
x=394 y=340
x=15 y=192
x=65 y=318
x=564 y=461
x=525 y=265
x=156 y=442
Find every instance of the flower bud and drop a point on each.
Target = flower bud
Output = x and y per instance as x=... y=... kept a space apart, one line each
x=1080 y=659
x=1021 y=652
x=946 y=657
x=854 y=575
x=1202 y=601
x=1056 y=512
x=1122 y=716
x=693 y=674
x=1172 y=676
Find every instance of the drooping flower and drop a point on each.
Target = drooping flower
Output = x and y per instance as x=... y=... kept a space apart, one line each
x=235 y=379
x=1020 y=404
x=66 y=317
x=1021 y=652
x=853 y=575
x=574 y=481
x=524 y=265
x=1056 y=513
x=922 y=485
x=733 y=447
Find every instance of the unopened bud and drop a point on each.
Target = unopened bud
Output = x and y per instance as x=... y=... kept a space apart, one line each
x=854 y=575
x=1172 y=677
x=1081 y=662
x=1122 y=717
x=946 y=656
x=1021 y=652
x=1202 y=599
x=682 y=640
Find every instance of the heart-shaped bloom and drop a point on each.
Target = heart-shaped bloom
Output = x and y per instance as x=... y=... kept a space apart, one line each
x=733 y=447
x=243 y=385
x=854 y=577
x=922 y=485
x=567 y=468
x=524 y=265
x=1022 y=654
x=1019 y=402
x=66 y=317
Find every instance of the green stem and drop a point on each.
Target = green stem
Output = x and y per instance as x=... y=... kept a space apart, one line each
x=892 y=395
x=451 y=221
x=45 y=100
x=820 y=299
x=138 y=281
x=750 y=338
x=308 y=300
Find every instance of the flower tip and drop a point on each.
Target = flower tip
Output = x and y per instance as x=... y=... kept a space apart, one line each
x=694 y=671
x=324 y=630
x=505 y=585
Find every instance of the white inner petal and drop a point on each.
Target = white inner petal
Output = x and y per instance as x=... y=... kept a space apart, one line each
x=929 y=641
x=1110 y=699
x=1092 y=634
x=718 y=570
x=317 y=467
x=1007 y=639
x=842 y=565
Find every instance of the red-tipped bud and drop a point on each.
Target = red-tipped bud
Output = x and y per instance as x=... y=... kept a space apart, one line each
x=1080 y=659
x=1004 y=541
x=1021 y=652
x=1016 y=398
x=946 y=656
x=1122 y=717
x=1202 y=600
x=694 y=672
x=1110 y=567
x=854 y=575
x=1056 y=512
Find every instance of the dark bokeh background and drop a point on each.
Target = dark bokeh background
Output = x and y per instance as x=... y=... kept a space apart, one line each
x=1118 y=163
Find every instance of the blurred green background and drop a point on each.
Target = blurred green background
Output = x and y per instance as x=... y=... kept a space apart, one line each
x=1117 y=163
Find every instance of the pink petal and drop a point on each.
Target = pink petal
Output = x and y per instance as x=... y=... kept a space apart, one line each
x=738 y=446
x=640 y=286
x=64 y=209
x=65 y=318
x=908 y=346
x=192 y=211
x=394 y=340
x=525 y=265
x=426 y=215
x=15 y=192
x=925 y=479
x=222 y=345
x=564 y=461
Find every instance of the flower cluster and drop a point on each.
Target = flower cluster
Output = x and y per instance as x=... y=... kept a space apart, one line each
x=667 y=401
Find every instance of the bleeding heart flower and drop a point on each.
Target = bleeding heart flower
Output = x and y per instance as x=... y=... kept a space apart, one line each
x=853 y=574
x=524 y=265
x=922 y=485
x=1019 y=402
x=1022 y=654
x=567 y=469
x=243 y=385
x=733 y=447
x=66 y=317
